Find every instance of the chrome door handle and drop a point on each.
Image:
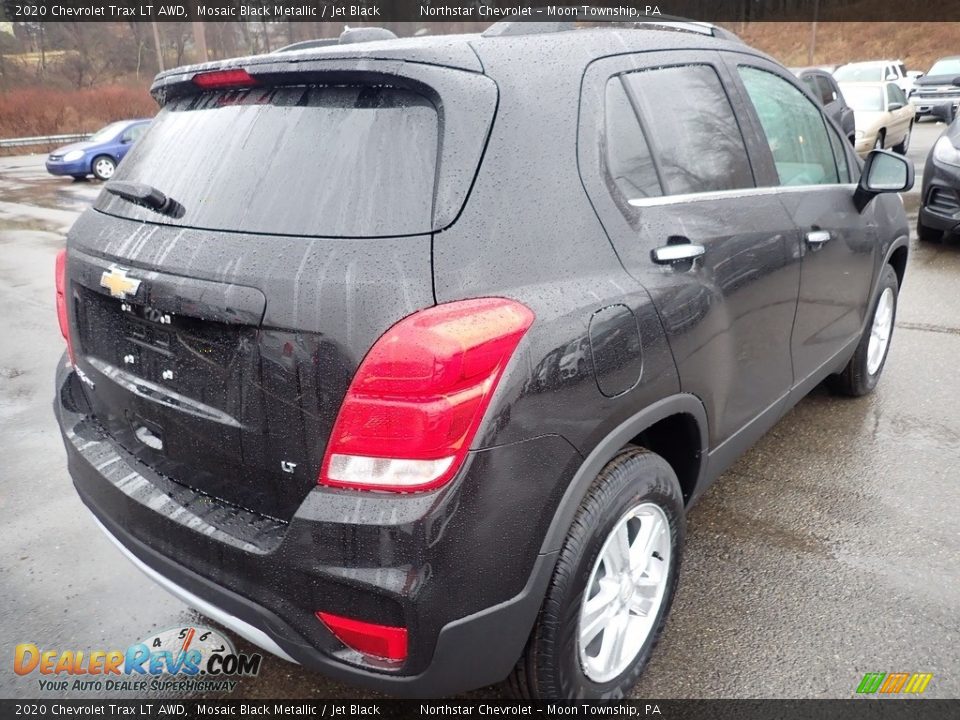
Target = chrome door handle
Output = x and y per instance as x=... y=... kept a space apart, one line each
x=668 y=254
x=816 y=238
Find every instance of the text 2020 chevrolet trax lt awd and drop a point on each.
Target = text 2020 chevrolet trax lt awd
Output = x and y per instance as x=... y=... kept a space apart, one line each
x=403 y=359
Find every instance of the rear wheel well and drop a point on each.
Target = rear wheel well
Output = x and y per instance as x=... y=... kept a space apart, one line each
x=677 y=440
x=898 y=260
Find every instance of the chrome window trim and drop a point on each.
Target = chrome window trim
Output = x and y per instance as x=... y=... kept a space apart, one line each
x=740 y=192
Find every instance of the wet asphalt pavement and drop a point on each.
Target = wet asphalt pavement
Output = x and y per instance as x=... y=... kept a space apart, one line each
x=830 y=550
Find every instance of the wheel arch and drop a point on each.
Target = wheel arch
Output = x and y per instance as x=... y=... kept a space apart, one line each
x=897 y=258
x=668 y=427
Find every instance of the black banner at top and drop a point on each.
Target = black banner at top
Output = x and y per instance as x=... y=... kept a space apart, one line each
x=174 y=709
x=422 y=11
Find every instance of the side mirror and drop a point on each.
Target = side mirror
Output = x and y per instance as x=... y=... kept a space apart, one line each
x=126 y=140
x=883 y=172
x=955 y=81
x=895 y=106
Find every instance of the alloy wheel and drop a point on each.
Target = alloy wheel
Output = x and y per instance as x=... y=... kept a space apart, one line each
x=880 y=331
x=624 y=593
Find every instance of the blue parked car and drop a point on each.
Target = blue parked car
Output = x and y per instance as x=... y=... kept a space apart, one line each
x=100 y=154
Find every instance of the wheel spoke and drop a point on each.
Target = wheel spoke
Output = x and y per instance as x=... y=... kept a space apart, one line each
x=641 y=551
x=617 y=556
x=597 y=611
x=611 y=646
x=641 y=603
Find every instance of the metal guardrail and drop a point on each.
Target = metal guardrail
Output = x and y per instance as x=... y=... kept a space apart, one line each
x=44 y=140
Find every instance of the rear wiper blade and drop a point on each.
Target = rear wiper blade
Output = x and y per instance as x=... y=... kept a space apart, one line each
x=145 y=196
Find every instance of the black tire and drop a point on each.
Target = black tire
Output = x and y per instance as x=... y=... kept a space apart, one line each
x=99 y=167
x=928 y=234
x=856 y=380
x=904 y=144
x=550 y=667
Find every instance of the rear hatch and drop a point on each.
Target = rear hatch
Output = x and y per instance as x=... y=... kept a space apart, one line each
x=219 y=339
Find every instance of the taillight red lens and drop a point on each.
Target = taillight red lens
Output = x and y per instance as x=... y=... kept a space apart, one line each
x=61 y=283
x=223 y=79
x=419 y=395
x=381 y=641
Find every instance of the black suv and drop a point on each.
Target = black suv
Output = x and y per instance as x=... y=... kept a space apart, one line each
x=404 y=359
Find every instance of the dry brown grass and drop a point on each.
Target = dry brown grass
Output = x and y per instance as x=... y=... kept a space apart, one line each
x=26 y=112
x=917 y=44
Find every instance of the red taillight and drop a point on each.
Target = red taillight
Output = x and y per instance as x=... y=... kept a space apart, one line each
x=382 y=641
x=223 y=79
x=61 y=283
x=419 y=395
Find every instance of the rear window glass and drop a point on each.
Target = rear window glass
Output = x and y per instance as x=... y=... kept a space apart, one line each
x=336 y=161
x=697 y=144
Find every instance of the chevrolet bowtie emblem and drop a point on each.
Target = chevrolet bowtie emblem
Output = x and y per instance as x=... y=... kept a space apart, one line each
x=120 y=286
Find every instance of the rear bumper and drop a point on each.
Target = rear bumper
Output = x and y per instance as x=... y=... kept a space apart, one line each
x=459 y=568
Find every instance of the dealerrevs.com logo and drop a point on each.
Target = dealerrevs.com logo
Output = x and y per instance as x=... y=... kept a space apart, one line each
x=184 y=659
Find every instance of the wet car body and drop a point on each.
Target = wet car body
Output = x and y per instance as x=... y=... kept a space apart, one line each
x=940 y=194
x=203 y=395
x=113 y=141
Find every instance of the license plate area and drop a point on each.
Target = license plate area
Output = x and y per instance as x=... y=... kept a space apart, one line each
x=200 y=359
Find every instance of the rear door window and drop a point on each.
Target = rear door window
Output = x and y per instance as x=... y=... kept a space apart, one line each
x=629 y=163
x=794 y=127
x=336 y=161
x=689 y=122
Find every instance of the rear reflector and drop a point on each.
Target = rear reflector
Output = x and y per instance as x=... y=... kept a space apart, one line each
x=419 y=396
x=223 y=79
x=60 y=280
x=380 y=641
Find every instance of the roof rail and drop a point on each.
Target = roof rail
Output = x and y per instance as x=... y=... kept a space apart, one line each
x=348 y=36
x=304 y=44
x=663 y=22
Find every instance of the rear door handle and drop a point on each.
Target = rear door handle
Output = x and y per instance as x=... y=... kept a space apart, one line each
x=681 y=252
x=816 y=238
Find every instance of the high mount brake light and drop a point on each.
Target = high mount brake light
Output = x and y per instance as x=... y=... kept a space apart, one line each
x=60 y=271
x=217 y=79
x=419 y=395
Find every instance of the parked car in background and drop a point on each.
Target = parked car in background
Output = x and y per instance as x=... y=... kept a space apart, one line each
x=825 y=89
x=940 y=194
x=879 y=71
x=312 y=404
x=883 y=116
x=99 y=155
x=937 y=93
